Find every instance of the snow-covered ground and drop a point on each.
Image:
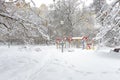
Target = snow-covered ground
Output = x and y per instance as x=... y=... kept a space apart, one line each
x=48 y=63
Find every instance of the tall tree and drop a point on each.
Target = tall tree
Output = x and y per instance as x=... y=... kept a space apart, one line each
x=20 y=23
x=109 y=33
x=66 y=16
x=71 y=18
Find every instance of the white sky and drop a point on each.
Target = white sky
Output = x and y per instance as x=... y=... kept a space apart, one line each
x=110 y=1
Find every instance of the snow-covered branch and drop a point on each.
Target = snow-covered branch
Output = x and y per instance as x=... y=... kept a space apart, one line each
x=110 y=24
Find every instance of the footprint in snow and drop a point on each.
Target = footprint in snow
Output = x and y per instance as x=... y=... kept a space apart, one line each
x=118 y=69
x=104 y=72
x=37 y=49
x=56 y=60
x=79 y=71
x=89 y=72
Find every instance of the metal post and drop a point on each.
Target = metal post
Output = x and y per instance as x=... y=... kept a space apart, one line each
x=62 y=44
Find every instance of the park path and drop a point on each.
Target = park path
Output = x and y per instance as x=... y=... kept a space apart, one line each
x=48 y=63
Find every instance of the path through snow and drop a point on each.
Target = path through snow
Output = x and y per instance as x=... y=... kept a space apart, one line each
x=48 y=63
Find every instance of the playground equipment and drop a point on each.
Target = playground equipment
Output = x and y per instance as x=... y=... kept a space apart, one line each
x=58 y=40
x=78 y=42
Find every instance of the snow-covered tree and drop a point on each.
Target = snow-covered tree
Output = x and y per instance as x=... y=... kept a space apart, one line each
x=70 y=13
x=109 y=32
x=97 y=4
x=67 y=12
x=18 y=21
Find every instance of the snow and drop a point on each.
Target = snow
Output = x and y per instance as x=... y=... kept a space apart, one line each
x=48 y=63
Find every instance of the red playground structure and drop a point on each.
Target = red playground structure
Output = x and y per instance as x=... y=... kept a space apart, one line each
x=78 y=42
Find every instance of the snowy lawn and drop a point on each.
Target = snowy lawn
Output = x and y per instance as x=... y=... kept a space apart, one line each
x=48 y=63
